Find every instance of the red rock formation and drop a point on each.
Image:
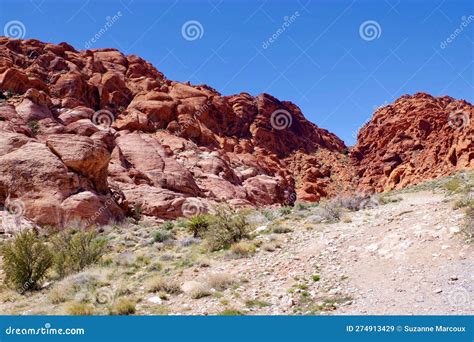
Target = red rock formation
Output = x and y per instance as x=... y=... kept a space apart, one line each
x=94 y=135
x=97 y=119
x=416 y=138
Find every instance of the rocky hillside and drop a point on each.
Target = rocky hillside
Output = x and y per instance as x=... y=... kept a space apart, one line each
x=93 y=136
x=416 y=138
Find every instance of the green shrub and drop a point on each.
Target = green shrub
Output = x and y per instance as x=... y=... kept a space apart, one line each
x=453 y=185
x=226 y=227
x=316 y=277
x=26 y=259
x=162 y=235
x=231 y=312
x=198 y=225
x=34 y=127
x=285 y=210
x=167 y=225
x=74 y=250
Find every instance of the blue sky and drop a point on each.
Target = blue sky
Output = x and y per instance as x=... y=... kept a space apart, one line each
x=323 y=60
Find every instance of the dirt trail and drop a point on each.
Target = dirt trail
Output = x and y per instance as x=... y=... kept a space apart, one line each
x=399 y=258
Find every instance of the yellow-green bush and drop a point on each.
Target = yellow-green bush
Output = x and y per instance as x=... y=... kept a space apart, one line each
x=26 y=259
x=74 y=250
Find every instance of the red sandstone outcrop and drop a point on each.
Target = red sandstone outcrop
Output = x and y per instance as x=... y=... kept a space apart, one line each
x=416 y=138
x=91 y=136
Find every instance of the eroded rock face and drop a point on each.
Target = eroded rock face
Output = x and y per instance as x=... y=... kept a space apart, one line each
x=91 y=136
x=416 y=138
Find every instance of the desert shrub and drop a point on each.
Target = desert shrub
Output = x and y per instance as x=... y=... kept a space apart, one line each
x=162 y=235
x=231 y=312
x=351 y=202
x=220 y=281
x=330 y=211
x=226 y=227
x=468 y=226
x=285 y=210
x=277 y=229
x=34 y=127
x=251 y=303
x=268 y=214
x=316 y=277
x=301 y=206
x=201 y=291
x=61 y=292
x=243 y=249
x=80 y=309
x=453 y=185
x=198 y=225
x=75 y=250
x=123 y=306
x=167 y=225
x=188 y=241
x=26 y=259
x=160 y=284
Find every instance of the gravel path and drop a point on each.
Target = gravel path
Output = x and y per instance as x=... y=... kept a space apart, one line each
x=399 y=258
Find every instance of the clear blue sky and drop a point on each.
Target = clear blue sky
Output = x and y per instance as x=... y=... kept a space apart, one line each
x=320 y=61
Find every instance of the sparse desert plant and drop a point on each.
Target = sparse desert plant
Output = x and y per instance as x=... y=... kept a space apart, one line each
x=34 y=127
x=226 y=227
x=122 y=307
x=158 y=283
x=330 y=211
x=251 y=303
x=26 y=259
x=269 y=247
x=162 y=235
x=167 y=225
x=231 y=312
x=316 y=277
x=198 y=225
x=60 y=293
x=285 y=210
x=453 y=185
x=268 y=214
x=200 y=291
x=468 y=226
x=80 y=309
x=220 y=281
x=243 y=249
x=278 y=229
x=301 y=206
x=75 y=250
